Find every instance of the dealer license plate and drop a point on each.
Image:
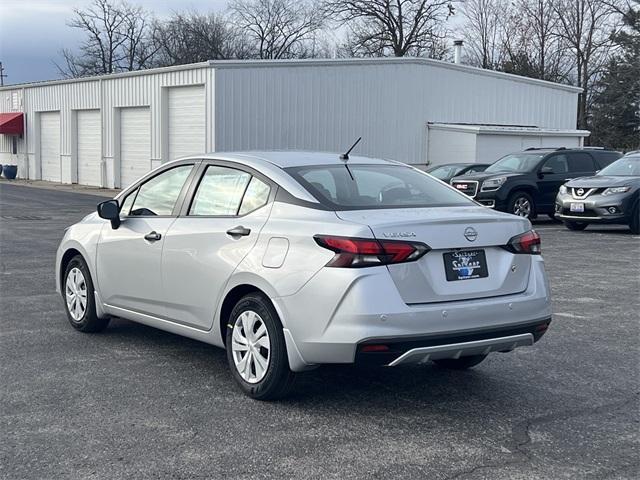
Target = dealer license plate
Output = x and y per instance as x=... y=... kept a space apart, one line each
x=465 y=265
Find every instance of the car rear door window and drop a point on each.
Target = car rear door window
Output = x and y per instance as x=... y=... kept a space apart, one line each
x=581 y=162
x=158 y=195
x=256 y=196
x=220 y=192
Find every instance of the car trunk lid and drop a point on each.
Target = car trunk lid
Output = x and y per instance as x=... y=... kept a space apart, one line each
x=467 y=232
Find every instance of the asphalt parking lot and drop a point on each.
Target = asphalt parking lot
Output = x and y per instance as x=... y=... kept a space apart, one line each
x=134 y=402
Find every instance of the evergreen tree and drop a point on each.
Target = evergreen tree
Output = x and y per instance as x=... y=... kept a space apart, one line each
x=615 y=120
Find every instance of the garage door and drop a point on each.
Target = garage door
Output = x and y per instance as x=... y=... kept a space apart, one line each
x=89 y=148
x=186 y=121
x=135 y=144
x=50 y=146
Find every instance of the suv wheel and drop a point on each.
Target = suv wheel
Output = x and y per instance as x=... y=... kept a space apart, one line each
x=79 y=298
x=575 y=226
x=256 y=350
x=521 y=204
x=461 y=363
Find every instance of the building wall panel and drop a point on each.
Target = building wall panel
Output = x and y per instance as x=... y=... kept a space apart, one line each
x=327 y=106
x=310 y=105
x=107 y=94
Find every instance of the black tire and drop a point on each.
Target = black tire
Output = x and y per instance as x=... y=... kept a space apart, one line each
x=575 y=226
x=514 y=202
x=634 y=221
x=89 y=321
x=278 y=379
x=461 y=363
x=553 y=217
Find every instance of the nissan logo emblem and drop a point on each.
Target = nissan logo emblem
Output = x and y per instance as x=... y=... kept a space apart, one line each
x=470 y=234
x=580 y=192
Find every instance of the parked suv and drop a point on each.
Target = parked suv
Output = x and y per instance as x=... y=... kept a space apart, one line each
x=612 y=196
x=526 y=183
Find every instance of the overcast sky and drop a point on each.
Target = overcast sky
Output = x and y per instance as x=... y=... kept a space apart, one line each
x=32 y=32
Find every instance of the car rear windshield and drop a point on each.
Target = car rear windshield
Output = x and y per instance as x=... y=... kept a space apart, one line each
x=375 y=186
x=517 y=162
x=627 y=166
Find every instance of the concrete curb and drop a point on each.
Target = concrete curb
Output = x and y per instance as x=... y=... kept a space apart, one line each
x=62 y=187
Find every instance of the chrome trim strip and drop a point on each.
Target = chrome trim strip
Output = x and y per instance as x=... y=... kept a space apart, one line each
x=573 y=217
x=586 y=194
x=457 y=350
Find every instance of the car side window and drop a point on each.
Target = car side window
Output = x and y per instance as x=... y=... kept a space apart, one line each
x=220 y=192
x=158 y=195
x=581 y=162
x=604 y=159
x=256 y=196
x=125 y=207
x=558 y=163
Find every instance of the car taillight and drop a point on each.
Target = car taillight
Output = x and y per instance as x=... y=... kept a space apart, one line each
x=527 y=242
x=368 y=252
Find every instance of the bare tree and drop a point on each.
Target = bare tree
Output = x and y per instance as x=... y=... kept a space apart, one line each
x=138 y=48
x=117 y=39
x=484 y=33
x=194 y=37
x=587 y=27
x=532 y=44
x=393 y=27
x=278 y=28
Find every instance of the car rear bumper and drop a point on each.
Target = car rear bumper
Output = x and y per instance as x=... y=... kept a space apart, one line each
x=403 y=351
x=340 y=310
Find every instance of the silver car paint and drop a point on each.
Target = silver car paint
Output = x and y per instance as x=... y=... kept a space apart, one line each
x=443 y=230
x=325 y=312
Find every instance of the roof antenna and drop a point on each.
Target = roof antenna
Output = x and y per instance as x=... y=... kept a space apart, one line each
x=345 y=156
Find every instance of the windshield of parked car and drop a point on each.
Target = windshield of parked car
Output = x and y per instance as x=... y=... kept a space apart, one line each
x=446 y=171
x=517 y=162
x=625 y=167
x=375 y=186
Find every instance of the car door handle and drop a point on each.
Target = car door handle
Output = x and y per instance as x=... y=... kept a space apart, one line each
x=153 y=236
x=239 y=231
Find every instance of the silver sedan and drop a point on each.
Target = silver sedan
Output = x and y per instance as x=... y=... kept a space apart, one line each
x=291 y=260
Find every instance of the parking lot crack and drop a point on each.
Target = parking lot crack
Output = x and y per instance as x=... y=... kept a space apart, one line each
x=520 y=434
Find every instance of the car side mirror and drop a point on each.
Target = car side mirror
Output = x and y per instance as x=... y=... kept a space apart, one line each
x=110 y=210
x=545 y=170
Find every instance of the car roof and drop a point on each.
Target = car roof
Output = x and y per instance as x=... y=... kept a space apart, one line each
x=295 y=158
x=546 y=150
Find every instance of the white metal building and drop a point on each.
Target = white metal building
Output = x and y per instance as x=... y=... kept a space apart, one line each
x=109 y=130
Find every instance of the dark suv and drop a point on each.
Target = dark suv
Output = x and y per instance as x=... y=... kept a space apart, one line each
x=527 y=183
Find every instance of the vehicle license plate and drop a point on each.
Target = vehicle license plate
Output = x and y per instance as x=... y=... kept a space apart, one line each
x=465 y=265
x=577 y=207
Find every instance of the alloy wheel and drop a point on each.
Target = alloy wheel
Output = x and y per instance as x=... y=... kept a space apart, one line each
x=522 y=207
x=76 y=294
x=250 y=346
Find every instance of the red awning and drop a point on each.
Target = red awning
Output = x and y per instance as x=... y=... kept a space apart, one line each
x=11 y=123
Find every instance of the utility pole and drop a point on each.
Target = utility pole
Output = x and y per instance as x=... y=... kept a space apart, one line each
x=2 y=75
